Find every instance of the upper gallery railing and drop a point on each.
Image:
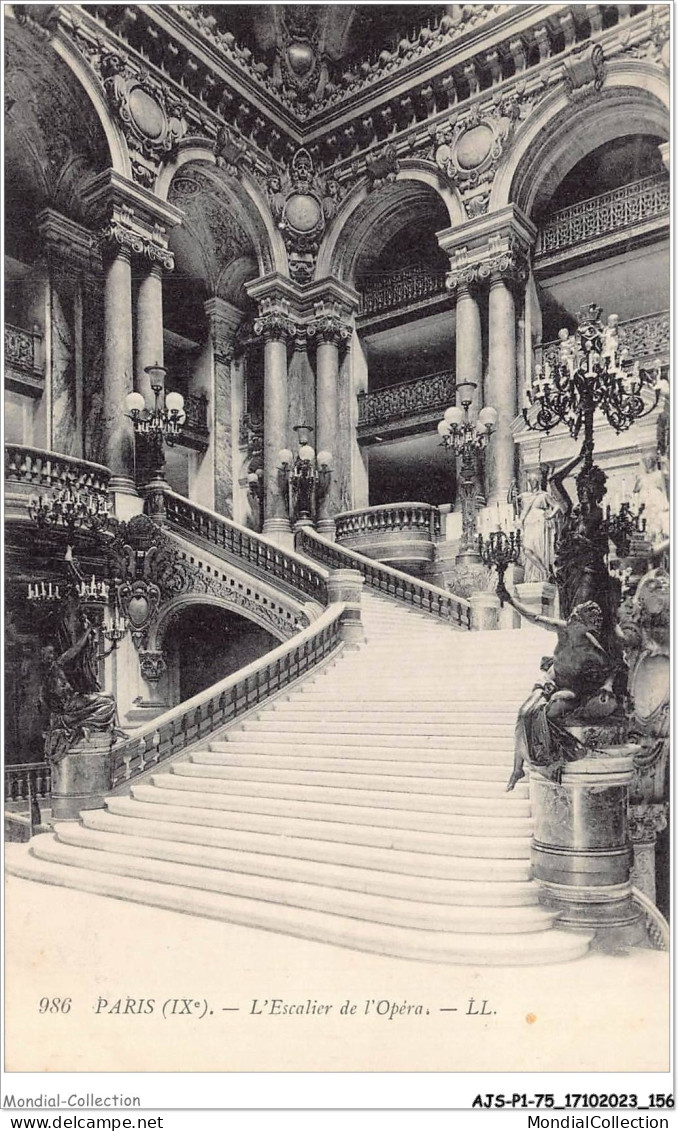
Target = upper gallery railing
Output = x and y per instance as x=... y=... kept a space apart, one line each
x=35 y=468
x=245 y=545
x=647 y=338
x=610 y=212
x=24 y=369
x=431 y=393
x=422 y=518
x=397 y=289
x=210 y=710
x=402 y=586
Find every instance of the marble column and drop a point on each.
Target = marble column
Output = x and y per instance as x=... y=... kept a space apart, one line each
x=468 y=345
x=327 y=423
x=276 y=429
x=500 y=390
x=118 y=369
x=224 y=320
x=149 y=351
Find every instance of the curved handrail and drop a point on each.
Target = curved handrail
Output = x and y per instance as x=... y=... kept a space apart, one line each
x=213 y=708
x=37 y=466
x=242 y=543
x=423 y=517
x=393 y=582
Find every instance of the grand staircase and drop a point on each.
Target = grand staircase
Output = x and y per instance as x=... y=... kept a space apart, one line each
x=366 y=807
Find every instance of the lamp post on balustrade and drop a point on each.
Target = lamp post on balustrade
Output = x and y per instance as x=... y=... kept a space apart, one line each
x=155 y=426
x=466 y=439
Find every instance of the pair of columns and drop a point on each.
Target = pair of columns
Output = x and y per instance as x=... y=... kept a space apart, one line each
x=492 y=251
x=500 y=386
x=322 y=316
x=123 y=367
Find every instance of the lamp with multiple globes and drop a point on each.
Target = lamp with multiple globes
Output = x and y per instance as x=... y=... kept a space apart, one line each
x=592 y=373
x=162 y=421
x=305 y=477
x=466 y=438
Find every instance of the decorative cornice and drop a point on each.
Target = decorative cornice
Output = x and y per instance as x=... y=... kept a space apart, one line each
x=131 y=218
x=67 y=242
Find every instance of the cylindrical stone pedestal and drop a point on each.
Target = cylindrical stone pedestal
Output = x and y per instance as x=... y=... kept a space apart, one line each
x=484 y=612
x=346 y=585
x=581 y=854
x=82 y=779
x=539 y=596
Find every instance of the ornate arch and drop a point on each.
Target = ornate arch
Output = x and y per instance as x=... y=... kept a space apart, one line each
x=560 y=133
x=115 y=138
x=249 y=611
x=385 y=209
x=242 y=190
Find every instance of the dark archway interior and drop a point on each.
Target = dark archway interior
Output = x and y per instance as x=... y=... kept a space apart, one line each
x=617 y=163
x=209 y=643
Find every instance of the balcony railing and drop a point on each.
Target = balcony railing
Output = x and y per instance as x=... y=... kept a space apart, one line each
x=398 y=289
x=613 y=211
x=31 y=471
x=430 y=394
x=195 y=432
x=389 y=518
x=647 y=338
x=23 y=365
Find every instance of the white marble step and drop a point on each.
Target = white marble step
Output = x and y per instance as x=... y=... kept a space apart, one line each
x=464 y=749
x=475 y=764
x=219 y=779
x=302 y=724
x=307 y=894
x=444 y=947
x=213 y=793
x=275 y=770
x=468 y=776
x=349 y=828
x=125 y=815
x=298 y=708
x=138 y=841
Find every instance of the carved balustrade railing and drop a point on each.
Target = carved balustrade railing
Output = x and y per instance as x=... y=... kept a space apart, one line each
x=195 y=431
x=609 y=212
x=401 y=586
x=24 y=370
x=212 y=709
x=27 y=781
x=401 y=288
x=390 y=518
x=33 y=471
x=432 y=393
x=246 y=546
x=647 y=338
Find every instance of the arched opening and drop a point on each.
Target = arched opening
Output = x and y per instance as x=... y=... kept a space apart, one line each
x=217 y=250
x=55 y=146
x=406 y=330
x=206 y=643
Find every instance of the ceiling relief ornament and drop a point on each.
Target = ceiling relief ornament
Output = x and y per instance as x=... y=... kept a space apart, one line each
x=302 y=201
x=152 y=118
x=229 y=152
x=468 y=149
x=382 y=167
x=299 y=68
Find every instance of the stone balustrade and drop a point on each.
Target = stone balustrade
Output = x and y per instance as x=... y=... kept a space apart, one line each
x=26 y=781
x=402 y=535
x=417 y=402
x=31 y=472
x=603 y=215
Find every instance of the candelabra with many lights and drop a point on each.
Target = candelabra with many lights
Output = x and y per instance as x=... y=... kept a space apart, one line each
x=500 y=550
x=305 y=477
x=70 y=510
x=592 y=373
x=466 y=439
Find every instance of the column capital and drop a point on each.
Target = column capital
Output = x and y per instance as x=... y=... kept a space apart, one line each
x=67 y=242
x=490 y=247
x=130 y=217
x=330 y=323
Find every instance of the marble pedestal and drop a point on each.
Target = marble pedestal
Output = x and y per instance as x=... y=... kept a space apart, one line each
x=346 y=585
x=82 y=779
x=581 y=854
x=484 y=612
